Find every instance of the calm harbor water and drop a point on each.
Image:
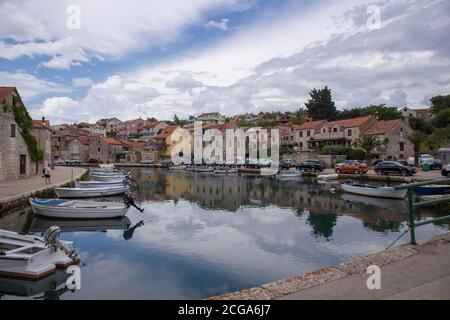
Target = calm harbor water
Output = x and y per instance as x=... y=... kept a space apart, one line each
x=203 y=235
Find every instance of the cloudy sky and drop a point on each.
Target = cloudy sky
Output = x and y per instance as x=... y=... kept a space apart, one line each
x=156 y=58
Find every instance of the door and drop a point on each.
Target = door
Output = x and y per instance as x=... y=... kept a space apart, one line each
x=23 y=164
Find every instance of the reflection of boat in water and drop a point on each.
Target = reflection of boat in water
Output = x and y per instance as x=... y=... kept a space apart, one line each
x=290 y=174
x=47 y=287
x=391 y=204
x=40 y=224
x=203 y=169
x=432 y=190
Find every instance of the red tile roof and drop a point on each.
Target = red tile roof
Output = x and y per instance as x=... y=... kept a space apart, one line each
x=382 y=127
x=40 y=124
x=349 y=123
x=132 y=144
x=112 y=141
x=166 y=132
x=5 y=92
x=308 y=125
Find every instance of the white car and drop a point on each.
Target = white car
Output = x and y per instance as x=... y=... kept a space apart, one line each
x=59 y=161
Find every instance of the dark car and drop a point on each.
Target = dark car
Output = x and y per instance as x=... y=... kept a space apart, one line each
x=394 y=167
x=93 y=161
x=446 y=171
x=312 y=165
x=167 y=163
x=287 y=163
x=377 y=162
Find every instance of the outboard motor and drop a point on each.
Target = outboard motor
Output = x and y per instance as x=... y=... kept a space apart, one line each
x=51 y=238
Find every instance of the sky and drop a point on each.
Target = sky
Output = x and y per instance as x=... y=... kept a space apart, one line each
x=83 y=60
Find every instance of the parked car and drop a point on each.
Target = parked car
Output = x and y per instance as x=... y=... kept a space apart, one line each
x=287 y=163
x=264 y=162
x=403 y=162
x=446 y=171
x=394 y=167
x=147 y=161
x=312 y=165
x=352 y=167
x=73 y=162
x=93 y=161
x=435 y=164
x=166 y=162
x=376 y=162
x=60 y=161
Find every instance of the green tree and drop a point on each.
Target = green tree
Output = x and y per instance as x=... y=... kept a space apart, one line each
x=417 y=138
x=300 y=116
x=382 y=112
x=442 y=119
x=440 y=103
x=321 y=105
x=368 y=143
x=421 y=125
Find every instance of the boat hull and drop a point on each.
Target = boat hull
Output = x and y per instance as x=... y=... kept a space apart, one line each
x=431 y=190
x=372 y=191
x=97 y=177
x=80 y=210
x=97 y=184
x=90 y=192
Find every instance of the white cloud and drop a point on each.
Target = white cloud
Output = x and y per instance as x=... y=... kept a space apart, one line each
x=82 y=82
x=28 y=85
x=222 y=24
x=109 y=28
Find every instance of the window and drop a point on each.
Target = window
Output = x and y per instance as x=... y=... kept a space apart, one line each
x=308 y=133
x=301 y=144
x=402 y=146
x=301 y=134
x=349 y=132
x=13 y=130
x=334 y=129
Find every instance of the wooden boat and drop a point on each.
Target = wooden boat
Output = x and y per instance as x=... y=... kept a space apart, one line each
x=29 y=257
x=203 y=169
x=99 y=184
x=77 y=209
x=224 y=170
x=291 y=173
x=328 y=176
x=432 y=190
x=90 y=192
x=102 y=177
x=373 y=191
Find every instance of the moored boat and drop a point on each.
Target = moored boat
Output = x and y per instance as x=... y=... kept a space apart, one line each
x=178 y=168
x=225 y=170
x=102 y=177
x=90 y=192
x=29 y=257
x=77 y=209
x=328 y=176
x=373 y=191
x=431 y=190
x=97 y=184
x=203 y=169
x=291 y=173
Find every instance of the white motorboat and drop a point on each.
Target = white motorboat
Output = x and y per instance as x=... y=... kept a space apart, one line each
x=99 y=184
x=108 y=173
x=291 y=173
x=29 y=257
x=224 y=170
x=102 y=177
x=203 y=169
x=326 y=177
x=78 y=209
x=90 y=192
x=373 y=191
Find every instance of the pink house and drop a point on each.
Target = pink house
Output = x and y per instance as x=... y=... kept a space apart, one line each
x=131 y=127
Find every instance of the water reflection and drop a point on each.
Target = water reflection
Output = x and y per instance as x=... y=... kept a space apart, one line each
x=205 y=235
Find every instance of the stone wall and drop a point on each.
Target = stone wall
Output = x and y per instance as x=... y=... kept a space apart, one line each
x=11 y=149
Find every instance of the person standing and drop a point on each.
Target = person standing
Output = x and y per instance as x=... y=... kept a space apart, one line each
x=46 y=174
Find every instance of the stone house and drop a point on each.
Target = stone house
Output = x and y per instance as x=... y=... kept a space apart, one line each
x=416 y=113
x=211 y=118
x=105 y=149
x=110 y=125
x=304 y=133
x=15 y=159
x=43 y=133
x=394 y=133
x=162 y=143
x=130 y=128
x=151 y=129
x=78 y=148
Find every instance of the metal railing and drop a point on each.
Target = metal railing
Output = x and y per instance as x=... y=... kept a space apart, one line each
x=412 y=205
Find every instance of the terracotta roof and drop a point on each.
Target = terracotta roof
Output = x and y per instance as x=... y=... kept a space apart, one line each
x=309 y=125
x=84 y=140
x=5 y=92
x=284 y=129
x=382 y=127
x=348 y=123
x=40 y=124
x=132 y=144
x=151 y=124
x=166 y=132
x=113 y=141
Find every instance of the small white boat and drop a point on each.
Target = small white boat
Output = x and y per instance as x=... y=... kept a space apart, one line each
x=99 y=184
x=108 y=173
x=90 y=192
x=77 y=209
x=291 y=173
x=224 y=170
x=203 y=169
x=178 y=168
x=29 y=257
x=333 y=176
x=101 y=177
x=374 y=191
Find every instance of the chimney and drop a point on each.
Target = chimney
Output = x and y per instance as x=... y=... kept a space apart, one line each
x=43 y=120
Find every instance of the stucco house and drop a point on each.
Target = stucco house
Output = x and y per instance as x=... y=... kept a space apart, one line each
x=152 y=128
x=105 y=149
x=43 y=133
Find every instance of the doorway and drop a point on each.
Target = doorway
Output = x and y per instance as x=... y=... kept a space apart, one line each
x=23 y=164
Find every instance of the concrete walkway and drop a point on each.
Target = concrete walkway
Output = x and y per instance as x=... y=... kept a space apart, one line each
x=11 y=190
x=407 y=272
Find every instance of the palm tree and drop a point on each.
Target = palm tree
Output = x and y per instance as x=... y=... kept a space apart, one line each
x=368 y=143
x=416 y=138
